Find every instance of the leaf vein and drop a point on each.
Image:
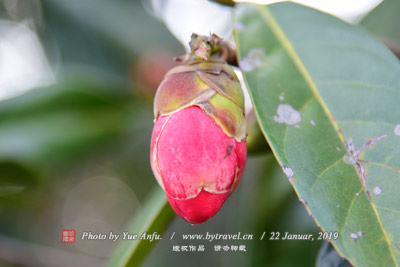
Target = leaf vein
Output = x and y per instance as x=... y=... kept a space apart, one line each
x=324 y=171
x=307 y=104
x=349 y=210
x=383 y=166
x=391 y=210
x=357 y=84
x=365 y=122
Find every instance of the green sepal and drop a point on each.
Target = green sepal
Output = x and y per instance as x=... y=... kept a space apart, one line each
x=227 y=115
x=211 y=85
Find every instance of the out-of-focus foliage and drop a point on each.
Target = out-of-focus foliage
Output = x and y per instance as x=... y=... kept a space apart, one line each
x=328 y=257
x=88 y=133
x=384 y=20
x=155 y=218
x=75 y=154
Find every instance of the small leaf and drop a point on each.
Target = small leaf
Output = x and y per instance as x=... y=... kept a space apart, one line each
x=328 y=257
x=15 y=178
x=155 y=217
x=6 y=190
x=326 y=96
x=384 y=20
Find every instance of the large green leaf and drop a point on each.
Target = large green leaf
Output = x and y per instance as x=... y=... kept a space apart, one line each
x=317 y=84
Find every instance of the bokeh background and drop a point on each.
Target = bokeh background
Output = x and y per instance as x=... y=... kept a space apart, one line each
x=77 y=79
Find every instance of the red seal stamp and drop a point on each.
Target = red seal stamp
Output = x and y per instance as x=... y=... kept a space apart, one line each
x=68 y=236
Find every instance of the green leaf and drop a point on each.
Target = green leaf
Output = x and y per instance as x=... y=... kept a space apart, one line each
x=328 y=256
x=155 y=217
x=6 y=190
x=15 y=178
x=70 y=22
x=331 y=83
x=383 y=21
x=53 y=124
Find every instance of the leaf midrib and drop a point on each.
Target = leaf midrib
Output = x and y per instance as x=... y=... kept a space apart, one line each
x=280 y=35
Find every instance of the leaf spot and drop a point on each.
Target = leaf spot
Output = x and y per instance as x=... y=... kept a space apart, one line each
x=377 y=190
x=303 y=201
x=354 y=236
x=357 y=194
x=397 y=130
x=239 y=26
x=313 y=123
x=360 y=234
x=287 y=114
x=254 y=59
x=288 y=171
x=352 y=158
x=349 y=160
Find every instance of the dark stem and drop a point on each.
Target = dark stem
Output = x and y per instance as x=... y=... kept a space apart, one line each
x=224 y=2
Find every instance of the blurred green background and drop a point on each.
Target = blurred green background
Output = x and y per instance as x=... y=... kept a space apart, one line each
x=74 y=145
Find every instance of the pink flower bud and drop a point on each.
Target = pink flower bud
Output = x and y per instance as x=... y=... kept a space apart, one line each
x=198 y=147
x=196 y=163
